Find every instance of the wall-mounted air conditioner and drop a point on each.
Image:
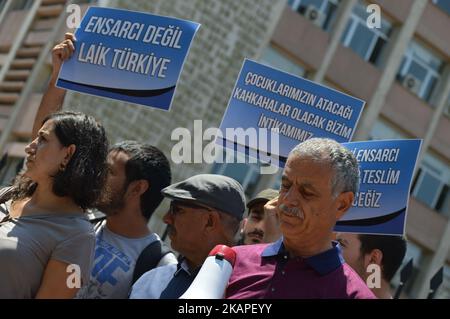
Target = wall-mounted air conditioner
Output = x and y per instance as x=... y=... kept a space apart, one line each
x=412 y=83
x=314 y=15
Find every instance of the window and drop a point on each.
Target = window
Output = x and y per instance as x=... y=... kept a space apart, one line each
x=367 y=43
x=274 y=58
x=2 y=5
x=432 y=185
x=420 y=71
x=447 y=108
x=21 y=5
x=245 y=173
x=415 y=253
x=443 y=4
x=444 y=290
x=321 y=12
x=381 y=130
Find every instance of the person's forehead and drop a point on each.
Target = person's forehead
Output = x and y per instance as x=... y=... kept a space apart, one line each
x=47 y=127
x=349 y=237
x=258 y=207
x=307 y=169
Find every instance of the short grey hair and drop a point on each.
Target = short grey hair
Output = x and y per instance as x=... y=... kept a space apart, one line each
x=342 y=161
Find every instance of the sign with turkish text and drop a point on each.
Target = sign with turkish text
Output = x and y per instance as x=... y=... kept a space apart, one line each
x=128 y=56
x=386 y=173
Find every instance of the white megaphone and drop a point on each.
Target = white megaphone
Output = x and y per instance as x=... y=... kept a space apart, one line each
x=212 y=279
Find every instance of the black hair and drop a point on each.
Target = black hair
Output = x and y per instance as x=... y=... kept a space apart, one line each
x=148 y=163
x=392 y=247
x=85 y=174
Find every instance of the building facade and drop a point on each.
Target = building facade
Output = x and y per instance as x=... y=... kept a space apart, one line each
x=401 y=69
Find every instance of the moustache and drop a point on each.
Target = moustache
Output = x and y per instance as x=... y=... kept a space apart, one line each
x=292 y=211
x=256 y=232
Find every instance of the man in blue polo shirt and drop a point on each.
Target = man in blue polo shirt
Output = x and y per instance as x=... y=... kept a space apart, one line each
x=318 y=186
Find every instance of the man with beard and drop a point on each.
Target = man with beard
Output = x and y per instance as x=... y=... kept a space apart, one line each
x=137 y=174
x=318 y=185
x=261 y=224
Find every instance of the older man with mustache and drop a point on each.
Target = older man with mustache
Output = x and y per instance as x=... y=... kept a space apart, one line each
x=318 y=186
x=205 y=211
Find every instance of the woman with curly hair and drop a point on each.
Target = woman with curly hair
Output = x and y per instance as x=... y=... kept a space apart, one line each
x=46 y=241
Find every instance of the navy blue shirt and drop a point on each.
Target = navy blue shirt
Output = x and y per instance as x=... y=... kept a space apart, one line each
x=179 y=283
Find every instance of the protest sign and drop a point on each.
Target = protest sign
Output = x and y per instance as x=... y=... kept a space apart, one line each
x=129 y=56
x=298 y=109
x=386 y=172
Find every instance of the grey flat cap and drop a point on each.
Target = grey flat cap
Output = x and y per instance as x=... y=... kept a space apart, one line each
x=263 y=196
x=216 y=191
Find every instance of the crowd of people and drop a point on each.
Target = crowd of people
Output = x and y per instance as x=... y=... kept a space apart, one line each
x=285 y=246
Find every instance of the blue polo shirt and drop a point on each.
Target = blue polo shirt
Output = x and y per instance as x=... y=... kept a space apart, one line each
x=267 y=271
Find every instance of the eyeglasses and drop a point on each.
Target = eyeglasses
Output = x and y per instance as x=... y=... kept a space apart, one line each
x=177 y=206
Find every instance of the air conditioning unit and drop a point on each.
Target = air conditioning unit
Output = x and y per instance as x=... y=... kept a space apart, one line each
x=412 y=83
x=314 y=15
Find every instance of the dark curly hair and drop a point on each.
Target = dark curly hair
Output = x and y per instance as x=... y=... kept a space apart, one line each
x=392 y=247
x=85 y=174
x=149 y=163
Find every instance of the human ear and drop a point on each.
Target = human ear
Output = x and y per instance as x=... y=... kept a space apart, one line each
x=376 y=257
x=344 y=203
x=212 y=220
x=138 y=187
x=70 y=150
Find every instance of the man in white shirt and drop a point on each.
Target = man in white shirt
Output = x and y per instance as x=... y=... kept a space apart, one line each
x=205 y=211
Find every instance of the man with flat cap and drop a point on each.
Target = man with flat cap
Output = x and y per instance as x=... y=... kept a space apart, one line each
x=261 y=224
x=205 y=211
